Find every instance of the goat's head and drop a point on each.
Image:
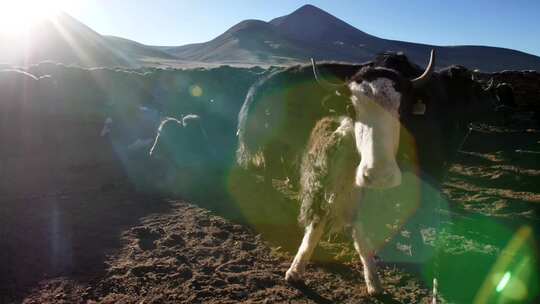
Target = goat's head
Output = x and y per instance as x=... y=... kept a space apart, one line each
x=376 y=94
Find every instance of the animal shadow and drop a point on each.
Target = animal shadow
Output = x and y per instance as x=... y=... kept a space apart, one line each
x=310 y=293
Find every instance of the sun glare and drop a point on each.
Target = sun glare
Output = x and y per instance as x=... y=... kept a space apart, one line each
x=17 y=16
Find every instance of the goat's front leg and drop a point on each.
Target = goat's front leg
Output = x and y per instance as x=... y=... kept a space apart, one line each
x=312 y=236
x=366 y=252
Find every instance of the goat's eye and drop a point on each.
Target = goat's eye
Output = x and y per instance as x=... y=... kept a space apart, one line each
x=366 y=89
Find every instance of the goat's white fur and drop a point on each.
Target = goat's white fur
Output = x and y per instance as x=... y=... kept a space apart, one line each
x=376 y=132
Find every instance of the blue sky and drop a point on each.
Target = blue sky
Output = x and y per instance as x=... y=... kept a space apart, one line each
x=511 y=24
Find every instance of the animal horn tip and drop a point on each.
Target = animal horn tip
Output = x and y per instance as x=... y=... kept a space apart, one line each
x=422 y=79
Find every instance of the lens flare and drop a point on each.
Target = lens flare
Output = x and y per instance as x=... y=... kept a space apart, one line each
x=503 y=282
x=196 y=91
x=519 y=283
x=18 y=16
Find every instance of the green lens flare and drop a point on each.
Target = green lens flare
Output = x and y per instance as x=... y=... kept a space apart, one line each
x=503 y=282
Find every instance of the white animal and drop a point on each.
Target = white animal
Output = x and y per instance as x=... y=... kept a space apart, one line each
x=346 y=155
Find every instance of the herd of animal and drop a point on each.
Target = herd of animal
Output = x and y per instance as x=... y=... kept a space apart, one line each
x=333 y=130
x=337 y=139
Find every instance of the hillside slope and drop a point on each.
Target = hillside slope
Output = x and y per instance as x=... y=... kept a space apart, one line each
x=66 y=40
x=312 y=32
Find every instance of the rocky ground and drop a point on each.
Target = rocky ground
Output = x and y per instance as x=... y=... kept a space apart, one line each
x=115 y=246
x=494 y=193
x=190 y=255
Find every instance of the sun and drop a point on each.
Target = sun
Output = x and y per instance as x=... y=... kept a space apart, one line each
x=17 y=16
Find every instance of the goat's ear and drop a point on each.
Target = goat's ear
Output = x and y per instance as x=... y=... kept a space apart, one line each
x=343 y=92
x=419 y=108
x=325 y=103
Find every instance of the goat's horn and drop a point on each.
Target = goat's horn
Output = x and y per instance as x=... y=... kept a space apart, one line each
x=323 y=82
x=490 y=85
x=424 y=78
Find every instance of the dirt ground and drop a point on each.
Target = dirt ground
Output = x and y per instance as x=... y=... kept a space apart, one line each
x=153 y=251
x=118 y=246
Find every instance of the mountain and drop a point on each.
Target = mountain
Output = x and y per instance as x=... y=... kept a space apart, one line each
x=136 y=51
x=251 y=41
x=64 y=39
x=312 y=32
x=294 y=38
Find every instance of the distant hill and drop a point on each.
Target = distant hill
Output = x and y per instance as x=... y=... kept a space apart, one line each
x=291 y=39
x=69 y=41
x=136 y=51
x=252 y=41
x=312 y=32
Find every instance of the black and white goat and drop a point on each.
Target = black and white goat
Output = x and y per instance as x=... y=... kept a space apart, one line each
x=345 y=155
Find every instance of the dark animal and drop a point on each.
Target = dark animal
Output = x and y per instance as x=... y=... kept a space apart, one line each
x=332 y=177
x=182 y=154
x=281 y=109
x=504 y=100
x=344 y=153
x=278 y=115
x=24 y=101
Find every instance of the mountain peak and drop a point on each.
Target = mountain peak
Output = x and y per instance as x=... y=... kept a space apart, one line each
x=310 y=23
x=305 y=13
x=309 y=8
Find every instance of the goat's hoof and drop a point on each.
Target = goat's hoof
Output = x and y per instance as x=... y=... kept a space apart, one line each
x=374 y=289
x=292 y=277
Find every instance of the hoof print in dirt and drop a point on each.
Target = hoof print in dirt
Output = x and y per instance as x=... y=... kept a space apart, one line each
x=181 y=260
x=141 y=270
x=203 y=222
x=221 y=235
x=184 y=273
x=248 y=246
x=174 y=240
x=218 y=283
x=235 y=279
x=147 y=237
x=261 y=281
x=196 y=234
x=238 y=295
x=207 y=270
